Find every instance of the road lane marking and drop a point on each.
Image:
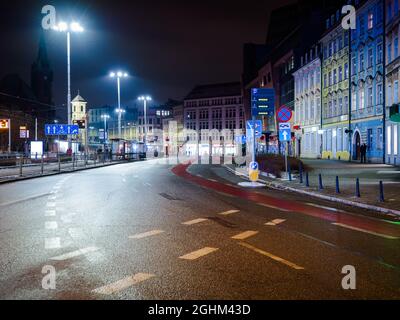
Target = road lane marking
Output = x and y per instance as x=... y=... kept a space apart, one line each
x=75 y=254
x=365 y=231
x=212 y=180
x=51 y=225
x=227 y=213
x=273 y=207
x=195 y=221
x=123 y=284
x=52 y=243
x=198 y=254
x=51 y=204
x=245 y=235
x=146 y=234
x=6 y=204
x=52 y=198
x=275 y=222
x=50 y=213
x=147 y=184
x=324 y=207
x=271 y=256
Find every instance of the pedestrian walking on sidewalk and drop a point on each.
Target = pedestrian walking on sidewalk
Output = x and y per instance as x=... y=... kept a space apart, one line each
x=363 y=151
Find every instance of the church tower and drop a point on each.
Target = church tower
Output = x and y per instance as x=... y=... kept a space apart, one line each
x=42 y=75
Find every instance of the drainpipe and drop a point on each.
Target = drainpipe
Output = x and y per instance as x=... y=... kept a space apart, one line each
x=350 y=98
x=384 y=84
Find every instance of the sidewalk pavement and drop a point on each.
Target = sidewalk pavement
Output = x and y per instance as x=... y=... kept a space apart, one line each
x=369 y=175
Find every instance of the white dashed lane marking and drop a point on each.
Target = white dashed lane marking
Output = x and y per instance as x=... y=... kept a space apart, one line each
x=196 y=221
x=271 y=256
x=275 y=222
x=51 y=225
x=245 y=235
x=273 y=207
x=324 y=207
x=52 y=243
x=198 y=254
x=365 y=231
x=123 y=284
x=51 y=205
x=146 y=234
x=227 y=213
x=75 y=254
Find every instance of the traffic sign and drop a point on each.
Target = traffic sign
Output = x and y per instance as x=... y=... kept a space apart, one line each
x=262 y=102
x=254 y=125
x=284 y=114
x=80 y=123
x=241 y=139
x=285 y=132
x=254 y=173
x=60 y=129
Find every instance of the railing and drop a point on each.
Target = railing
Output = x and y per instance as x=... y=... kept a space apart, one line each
x=16 y=166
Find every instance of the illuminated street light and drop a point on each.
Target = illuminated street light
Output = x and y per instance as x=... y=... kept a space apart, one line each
x=145 y=99
x=77 y=28
x=119 y=75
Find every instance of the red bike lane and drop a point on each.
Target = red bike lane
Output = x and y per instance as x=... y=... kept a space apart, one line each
x=375 y=226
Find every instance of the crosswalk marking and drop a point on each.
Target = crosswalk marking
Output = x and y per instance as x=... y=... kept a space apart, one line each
x=227 y=213
x=273 y=207
x=50 y=225
x=123 y=284
x=198 y=254
x=52 y=243
x=271 y=256
x=365 y=231
x=195 y=221
x=50 y=213
x=51 y=204
x=74 y=254
x=275 y=222
x=245 y=235
x=146 y=234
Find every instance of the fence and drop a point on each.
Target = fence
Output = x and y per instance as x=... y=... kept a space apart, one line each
x=16 y=166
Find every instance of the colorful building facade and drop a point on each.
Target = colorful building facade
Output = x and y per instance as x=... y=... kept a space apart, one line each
x=367 y=82
x=335 y=91
x=392 y=83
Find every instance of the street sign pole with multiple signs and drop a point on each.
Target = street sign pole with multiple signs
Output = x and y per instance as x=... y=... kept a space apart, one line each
x=262 y=104
x=285 y=134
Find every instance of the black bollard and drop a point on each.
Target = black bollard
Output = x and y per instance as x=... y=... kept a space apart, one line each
x=321 y=186
x=337 y=185
x=358 y=193
x=381 y=195
x=307 y=180
x=301 y=172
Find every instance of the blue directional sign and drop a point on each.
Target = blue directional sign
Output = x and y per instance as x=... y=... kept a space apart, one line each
x=262 y=102
x=253 y=166
x=60 y=129
x=254 y=125
x=285 y=132
x=241 y=139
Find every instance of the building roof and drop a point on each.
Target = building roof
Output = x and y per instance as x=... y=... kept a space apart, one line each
x=78 y=98
x=215 y=91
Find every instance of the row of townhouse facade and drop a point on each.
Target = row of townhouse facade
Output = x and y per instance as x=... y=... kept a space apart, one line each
x=347 y=88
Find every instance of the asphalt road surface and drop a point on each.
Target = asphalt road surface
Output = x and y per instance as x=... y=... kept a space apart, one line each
x=152 y=230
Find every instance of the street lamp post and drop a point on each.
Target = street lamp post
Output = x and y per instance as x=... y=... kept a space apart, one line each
x=105 y=117
x=145 y=99
x=119 y=75
x=73 y=27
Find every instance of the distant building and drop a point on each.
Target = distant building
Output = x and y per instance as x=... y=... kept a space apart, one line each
x=367 y=81
x=392 y=82
x=215 y=107
x=335 y=90
x=27 y=106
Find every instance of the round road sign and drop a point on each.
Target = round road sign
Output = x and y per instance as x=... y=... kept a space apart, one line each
x=284 y=114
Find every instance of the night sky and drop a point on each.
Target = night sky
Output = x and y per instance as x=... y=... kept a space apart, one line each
x=167 y=46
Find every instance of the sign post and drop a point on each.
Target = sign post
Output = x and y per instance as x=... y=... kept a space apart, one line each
x=285 y=134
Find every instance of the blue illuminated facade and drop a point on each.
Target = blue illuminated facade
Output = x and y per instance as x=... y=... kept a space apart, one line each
x=367 y=82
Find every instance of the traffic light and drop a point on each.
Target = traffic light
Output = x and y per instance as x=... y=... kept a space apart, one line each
x=4 y=124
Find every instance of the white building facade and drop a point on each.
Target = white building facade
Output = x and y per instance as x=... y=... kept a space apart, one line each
x=308 y=106
x=213 y=117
